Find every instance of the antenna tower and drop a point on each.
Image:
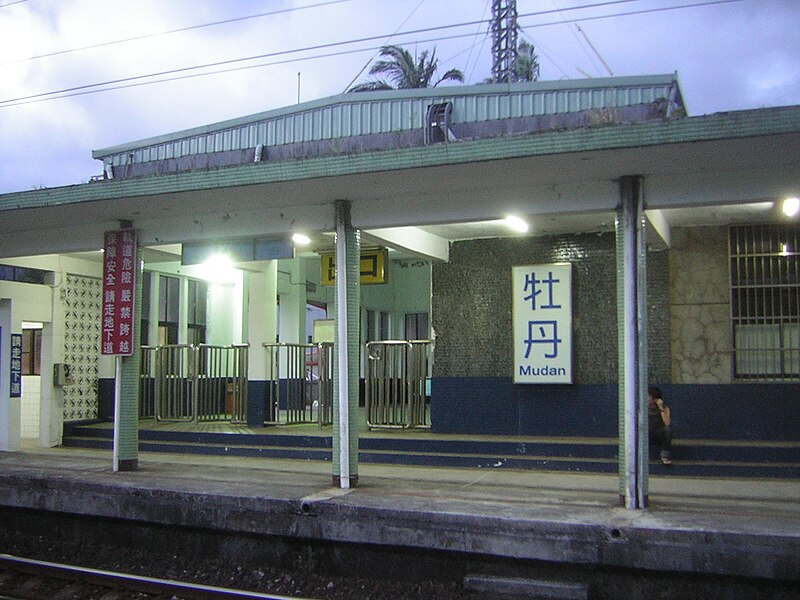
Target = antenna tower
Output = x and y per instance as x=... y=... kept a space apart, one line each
x=504 y=40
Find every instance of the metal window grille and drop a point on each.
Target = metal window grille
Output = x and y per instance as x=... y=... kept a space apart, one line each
x=765 y=301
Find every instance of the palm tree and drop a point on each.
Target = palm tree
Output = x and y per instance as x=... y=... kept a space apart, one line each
x=526 y=66
x=404 y=72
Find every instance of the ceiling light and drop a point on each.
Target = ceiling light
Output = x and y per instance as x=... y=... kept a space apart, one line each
x=301 y=239
x=217 y=268
x=516 y=224
x=791 y=206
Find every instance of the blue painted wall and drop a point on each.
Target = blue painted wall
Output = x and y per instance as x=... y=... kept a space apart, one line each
x=495 y=406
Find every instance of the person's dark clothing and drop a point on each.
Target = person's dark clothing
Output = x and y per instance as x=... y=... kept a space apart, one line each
x=660 y=434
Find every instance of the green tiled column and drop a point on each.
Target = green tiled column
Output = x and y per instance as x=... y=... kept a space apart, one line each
x=126 y=438
x=346 y=381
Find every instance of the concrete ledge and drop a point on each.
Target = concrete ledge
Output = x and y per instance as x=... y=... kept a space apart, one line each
x=434 y=515
x=525 y=588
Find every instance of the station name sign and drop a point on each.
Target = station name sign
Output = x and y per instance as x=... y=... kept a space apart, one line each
x=542 y=321
x=119 y=281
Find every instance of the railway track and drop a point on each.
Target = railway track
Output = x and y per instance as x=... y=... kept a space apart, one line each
x=28 y=579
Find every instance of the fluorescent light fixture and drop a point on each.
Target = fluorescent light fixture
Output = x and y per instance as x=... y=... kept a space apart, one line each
x=217 y=268
x=784 y=249
x=301 y=239
x=791 y=206
x=516 y=224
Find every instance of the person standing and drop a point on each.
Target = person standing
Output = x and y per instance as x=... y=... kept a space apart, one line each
x=659 y=424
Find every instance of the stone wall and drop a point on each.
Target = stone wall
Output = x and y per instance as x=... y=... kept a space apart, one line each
x=699 y=297
x=471 y=306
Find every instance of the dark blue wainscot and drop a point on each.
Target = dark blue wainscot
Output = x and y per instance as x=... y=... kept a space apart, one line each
x=496 y=406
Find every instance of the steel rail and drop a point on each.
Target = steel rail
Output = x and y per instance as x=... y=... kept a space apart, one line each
x=135 y=583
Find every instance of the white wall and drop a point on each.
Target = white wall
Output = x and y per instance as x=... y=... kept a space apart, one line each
x=40 y=303
x=221 y=306
x=262 y=315
x=31 y=398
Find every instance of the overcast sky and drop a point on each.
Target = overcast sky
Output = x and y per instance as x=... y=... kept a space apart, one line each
x=729 y=56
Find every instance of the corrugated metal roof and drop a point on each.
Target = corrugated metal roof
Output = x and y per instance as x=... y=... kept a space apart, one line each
x=358 y=114
x=781 y=121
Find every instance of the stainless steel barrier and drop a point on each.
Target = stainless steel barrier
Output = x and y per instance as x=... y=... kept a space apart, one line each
x=396 y=377
x=147 y=383
x=174 y=386
x=324 y=370
x=221 y=383
x=300 y=388
x=237 y=383
x=195 y=383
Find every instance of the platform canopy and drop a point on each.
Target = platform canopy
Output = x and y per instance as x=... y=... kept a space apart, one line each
x=550 y=152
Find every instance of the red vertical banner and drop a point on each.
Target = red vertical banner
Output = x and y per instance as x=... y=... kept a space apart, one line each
x=119 y=279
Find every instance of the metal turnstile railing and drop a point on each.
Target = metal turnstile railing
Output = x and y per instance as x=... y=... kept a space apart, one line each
x=147 y=383
x=174 y=385
x=185 y=383
x=238 y=383
x=324 y=371
x=395 y=387
x=221 y=383
x=300 y=383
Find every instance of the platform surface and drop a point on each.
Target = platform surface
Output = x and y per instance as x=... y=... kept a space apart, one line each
x=712 y=526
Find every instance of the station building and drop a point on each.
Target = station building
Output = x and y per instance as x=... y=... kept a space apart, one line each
x=670 y=237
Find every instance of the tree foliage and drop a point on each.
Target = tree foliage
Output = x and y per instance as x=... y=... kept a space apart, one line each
x=526 y=66
x=404 y=72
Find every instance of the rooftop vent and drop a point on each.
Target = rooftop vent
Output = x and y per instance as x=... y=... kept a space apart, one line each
x=437 y=123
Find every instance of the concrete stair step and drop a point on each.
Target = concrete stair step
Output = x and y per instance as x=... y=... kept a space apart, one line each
x=692 y=458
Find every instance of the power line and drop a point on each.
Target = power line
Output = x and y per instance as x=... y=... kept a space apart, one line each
x=12 y=3
x=167 y=32
x=127 y=81
x=544 y=52
x=575 y=35
x=366 y=64
x=235 y=60
x=217 y=72
x=596 y=53
x=188 y=28
x=483 y=41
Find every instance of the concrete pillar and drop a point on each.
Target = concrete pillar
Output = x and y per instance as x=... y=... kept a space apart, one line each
x=261 y=310
x=51 y=407
x=632 y=344
x=346 y=350
x=293 y=304
x=183 y=311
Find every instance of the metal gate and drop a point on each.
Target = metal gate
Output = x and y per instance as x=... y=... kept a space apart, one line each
x=147 y=383
x=396 y=378
x=185 y=383
x=221 y=383
x=300 y=383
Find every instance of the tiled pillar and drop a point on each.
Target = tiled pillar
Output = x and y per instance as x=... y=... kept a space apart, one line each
x=632 y=344
x=346 y=350
x=126 y=438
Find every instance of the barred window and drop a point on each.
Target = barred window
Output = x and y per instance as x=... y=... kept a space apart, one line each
x=765 y=301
